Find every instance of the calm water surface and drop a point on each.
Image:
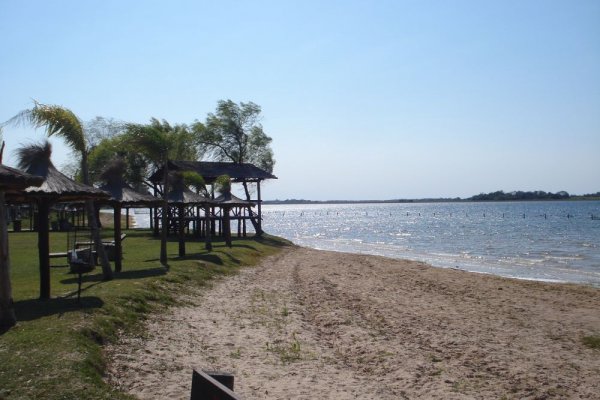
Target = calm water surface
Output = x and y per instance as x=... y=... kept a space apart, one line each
x=549 y=241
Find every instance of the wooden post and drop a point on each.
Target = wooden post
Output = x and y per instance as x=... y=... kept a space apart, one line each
x=207 y=226
x=7 y=311
x=260 y=231
x=44 y=248
x=118 y=246
x=226 y=226
x=126 y=218
x=180 y=229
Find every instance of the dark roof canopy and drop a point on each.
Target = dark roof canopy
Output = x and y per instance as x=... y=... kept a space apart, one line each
x=230 y=200
x=11 y=178
x=210 y=171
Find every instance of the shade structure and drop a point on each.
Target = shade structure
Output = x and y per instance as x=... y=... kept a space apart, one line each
x=126 y=196
x=210 y=171
x=230 y=200
x=55 y=188
x=122 y=195
x=227 y=201
x=11 y=179
x=180 y=197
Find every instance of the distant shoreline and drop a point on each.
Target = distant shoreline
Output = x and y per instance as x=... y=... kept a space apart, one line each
x=408 y=201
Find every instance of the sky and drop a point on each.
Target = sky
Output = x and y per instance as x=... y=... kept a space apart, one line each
x=363 y=99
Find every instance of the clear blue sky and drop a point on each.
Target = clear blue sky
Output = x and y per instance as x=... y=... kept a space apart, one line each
x=363 y=99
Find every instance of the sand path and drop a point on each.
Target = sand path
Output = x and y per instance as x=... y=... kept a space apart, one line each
x=310 y=324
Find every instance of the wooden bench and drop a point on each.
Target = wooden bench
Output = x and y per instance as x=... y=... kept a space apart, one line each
x=58 y=255
x=104 y=242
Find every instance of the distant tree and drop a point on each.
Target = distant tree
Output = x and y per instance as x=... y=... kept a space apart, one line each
x=136 y=164
x=519 y=195
x=62 y=122
x=234 y=133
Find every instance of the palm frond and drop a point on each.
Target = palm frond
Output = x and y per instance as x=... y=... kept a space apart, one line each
x=32 y=156
x=223 y=184
x=57 y=120
x=151 y=140
x=196 y=181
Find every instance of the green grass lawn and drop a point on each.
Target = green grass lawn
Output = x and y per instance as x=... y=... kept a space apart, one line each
x=55 y=351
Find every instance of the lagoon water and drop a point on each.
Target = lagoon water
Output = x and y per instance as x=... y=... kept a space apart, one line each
x=555 y=241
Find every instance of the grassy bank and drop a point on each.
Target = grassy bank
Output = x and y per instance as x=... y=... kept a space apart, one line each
x=55 y=351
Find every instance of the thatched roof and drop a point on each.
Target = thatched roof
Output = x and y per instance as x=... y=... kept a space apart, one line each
x=180 y=194
x=35 y=160
x=210 y=171
x=13 y=179
x=120 y=191
x=127 y=196
x=188 y=197
x=230 y=200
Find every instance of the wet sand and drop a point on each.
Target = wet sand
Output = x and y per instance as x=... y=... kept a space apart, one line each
x=309 y=324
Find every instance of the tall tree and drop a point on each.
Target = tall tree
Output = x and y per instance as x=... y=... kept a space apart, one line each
x=234 y=133
x=62 y=122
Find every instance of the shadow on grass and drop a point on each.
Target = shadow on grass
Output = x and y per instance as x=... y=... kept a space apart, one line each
x=28 y=310
x=211 y=258
x=273 y=241
x=135 y=274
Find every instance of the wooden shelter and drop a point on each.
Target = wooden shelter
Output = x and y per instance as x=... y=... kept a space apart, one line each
x=56 y=187
x=11 y=180
x=182 y=202
x=227 y=202
x=210 y=171
x=122 y=196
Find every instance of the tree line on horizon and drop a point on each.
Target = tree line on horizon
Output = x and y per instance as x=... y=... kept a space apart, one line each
x=531 y=195
x=492 y=196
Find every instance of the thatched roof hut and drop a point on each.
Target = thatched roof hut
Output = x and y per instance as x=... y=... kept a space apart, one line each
x=122 y=195
x=10 y=180
x=120 y=192
x=56 y=187
x=179 y=198
x=211 y=171
x=230 y=200
x=13 y=179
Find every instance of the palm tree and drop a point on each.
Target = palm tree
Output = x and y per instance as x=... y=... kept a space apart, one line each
x=155 y=144
x=62 y=122
x=159 y=141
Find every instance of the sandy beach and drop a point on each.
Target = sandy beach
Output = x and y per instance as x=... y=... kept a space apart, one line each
x=309 y=324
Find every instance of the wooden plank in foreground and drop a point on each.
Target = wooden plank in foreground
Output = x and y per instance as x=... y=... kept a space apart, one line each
x=205 y=387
